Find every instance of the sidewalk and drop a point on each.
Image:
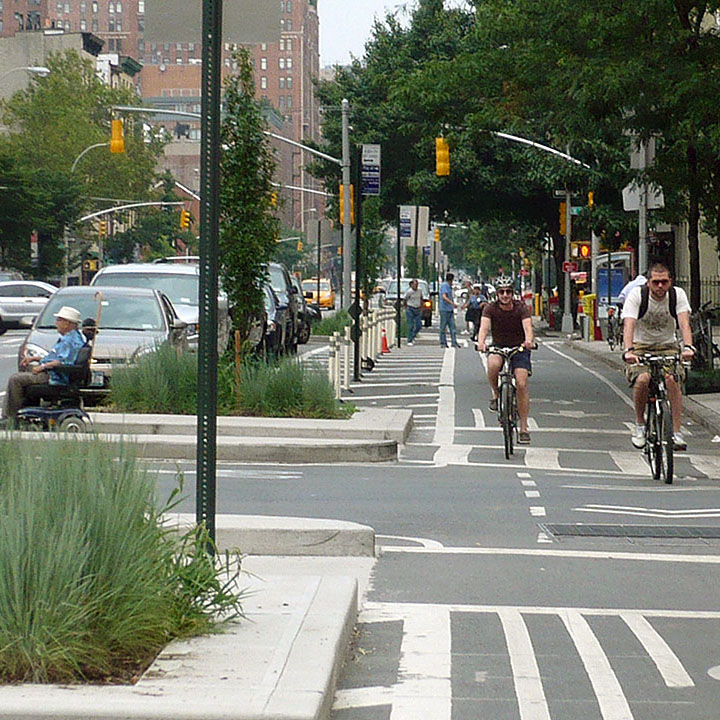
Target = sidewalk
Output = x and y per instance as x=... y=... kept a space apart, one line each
x=702 y=408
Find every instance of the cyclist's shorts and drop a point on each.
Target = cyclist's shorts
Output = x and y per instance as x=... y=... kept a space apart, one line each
x=521 y=360
x=632 y=372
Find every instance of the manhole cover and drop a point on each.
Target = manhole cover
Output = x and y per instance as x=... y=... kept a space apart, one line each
x=630 y=531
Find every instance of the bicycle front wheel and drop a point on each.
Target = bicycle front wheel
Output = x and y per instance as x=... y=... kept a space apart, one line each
x=652 y=444
x=507 y=405
x=611 y=335
x=664 y=431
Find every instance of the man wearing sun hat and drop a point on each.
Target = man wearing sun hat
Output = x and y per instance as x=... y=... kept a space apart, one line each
x=40 y=371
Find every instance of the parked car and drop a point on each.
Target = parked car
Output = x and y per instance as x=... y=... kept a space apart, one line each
x=287 y=294
x=326 y=300
x=305 y=315
x=21 y=301
x=6 y=275
x=181 y=283
x=274 y=337
x=426 y=309
x=133 y=321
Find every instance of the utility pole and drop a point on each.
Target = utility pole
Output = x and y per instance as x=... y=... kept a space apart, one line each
x=642 y=212
x=567 y=318
x=346 y=249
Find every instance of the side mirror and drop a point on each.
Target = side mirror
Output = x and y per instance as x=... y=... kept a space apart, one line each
x=309 y=295
x=179 y=324
x=26 y=321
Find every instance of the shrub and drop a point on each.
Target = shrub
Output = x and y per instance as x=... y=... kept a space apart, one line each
x=334 y=323
x=93 y=584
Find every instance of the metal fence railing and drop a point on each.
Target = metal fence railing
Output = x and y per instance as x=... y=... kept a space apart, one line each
x=709 y=288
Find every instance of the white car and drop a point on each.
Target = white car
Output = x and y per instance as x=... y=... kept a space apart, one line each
x=21 y=301
x=180 y=282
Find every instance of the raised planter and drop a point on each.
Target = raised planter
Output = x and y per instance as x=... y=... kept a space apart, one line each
x=702 y=381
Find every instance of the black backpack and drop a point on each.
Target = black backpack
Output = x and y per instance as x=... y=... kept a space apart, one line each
x=645 y=296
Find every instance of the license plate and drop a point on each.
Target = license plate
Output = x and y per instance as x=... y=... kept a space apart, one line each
x=97 y=379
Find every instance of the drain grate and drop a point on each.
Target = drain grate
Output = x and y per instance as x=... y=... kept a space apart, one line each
x=630 y=531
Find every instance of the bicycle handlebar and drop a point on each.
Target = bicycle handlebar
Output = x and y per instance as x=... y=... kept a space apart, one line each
x=508 y=350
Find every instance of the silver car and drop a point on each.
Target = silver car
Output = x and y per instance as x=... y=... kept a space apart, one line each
x=21 y=301
x=133 y=321
x=180 y=282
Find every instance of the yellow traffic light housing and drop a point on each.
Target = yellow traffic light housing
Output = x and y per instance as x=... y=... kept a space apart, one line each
x=102 y=228
x=563 y=219
x=437 y=234
x=442 y=157
x=184 y=219
x=591 y=200
x=117 y=139
x=300 y=245
x=342 y=204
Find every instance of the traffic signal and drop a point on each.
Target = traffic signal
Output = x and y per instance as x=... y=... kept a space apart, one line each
x=342 y=204
x=184 y=219
x=117 y=140
x=442 y=157
x=591 y=200
x=437 y=234
x=273 y=199
x=563 y=219
x=299 y=245
x=102 y=228
x=580 y=250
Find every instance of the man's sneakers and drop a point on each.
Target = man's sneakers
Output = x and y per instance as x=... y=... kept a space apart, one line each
x=523 y=437
x=679 y=441
x=410 y=344
x=494 y=404
x=638 y=436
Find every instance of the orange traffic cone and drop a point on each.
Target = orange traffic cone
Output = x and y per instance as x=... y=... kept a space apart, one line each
x=385 y=349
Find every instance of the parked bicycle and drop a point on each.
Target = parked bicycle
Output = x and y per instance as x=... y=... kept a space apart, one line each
x=658 y=416
x=701 y=325
x=614 y=328
x=507 y=397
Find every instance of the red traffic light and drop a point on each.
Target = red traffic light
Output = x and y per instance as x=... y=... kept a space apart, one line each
x=585 y=250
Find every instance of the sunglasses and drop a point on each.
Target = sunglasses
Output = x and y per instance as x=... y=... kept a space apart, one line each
x=659 y=282
x=504 y=292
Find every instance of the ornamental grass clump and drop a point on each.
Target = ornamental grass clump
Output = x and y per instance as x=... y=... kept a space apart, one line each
x=93 y=583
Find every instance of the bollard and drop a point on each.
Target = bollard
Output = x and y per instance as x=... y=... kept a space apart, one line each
x=346 y=359
x=331 y=363
x=336 y=364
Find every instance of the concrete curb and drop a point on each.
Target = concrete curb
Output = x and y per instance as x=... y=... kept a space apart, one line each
x=286 y=536
x=692 y=407
x=281 y=663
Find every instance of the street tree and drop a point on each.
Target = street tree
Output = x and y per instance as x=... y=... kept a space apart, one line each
x=248 y=227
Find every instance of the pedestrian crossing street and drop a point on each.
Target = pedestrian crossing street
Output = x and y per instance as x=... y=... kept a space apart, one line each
x=535 y=663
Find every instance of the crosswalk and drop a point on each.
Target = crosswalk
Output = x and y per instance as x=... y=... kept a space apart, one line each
x=511 y=653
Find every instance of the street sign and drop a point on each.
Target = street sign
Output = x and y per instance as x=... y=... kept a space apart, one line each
x=406 y=221
x=569 y=267
x=354 y=311
x=576 y=209
x=631 y=197
x=561 y=194
x=370 y=169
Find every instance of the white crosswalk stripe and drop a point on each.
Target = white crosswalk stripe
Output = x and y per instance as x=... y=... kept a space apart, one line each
x=426 y=657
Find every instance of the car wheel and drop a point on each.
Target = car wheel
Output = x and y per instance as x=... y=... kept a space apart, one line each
x=3 y=327
x=303 y=333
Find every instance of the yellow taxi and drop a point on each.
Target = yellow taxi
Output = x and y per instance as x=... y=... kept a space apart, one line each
x=327 y=294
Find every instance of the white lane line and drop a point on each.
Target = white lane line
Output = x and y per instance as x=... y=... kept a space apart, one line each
x=537 y=511
x=408 y=383
x=567 y=554
x=424 y=689
x=452 y=455
x=445 y=422
x=564 y=430
x=612 y=386
x=532 y=493
x=609 y=694
x=479 y=418
x=532 y=424
x=347 y=698
x=544 y=538
x=528 y=483
x=523 y=475
x=542 y=458
x=423 y=542
x=630 y=463
x=395 y=397
x=668 y=664
x=526 y=674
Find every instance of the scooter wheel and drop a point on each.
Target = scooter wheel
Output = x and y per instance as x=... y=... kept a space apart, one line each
x=73 y=424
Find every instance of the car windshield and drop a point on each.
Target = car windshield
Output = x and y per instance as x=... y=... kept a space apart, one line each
x=277 y=279
x=181 y=289
x=119 y=312
x=311 y=285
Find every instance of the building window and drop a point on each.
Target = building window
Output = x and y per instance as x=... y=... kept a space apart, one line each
x=118 y=25
x=263 y=82
x=141 y=6
x=19 y=21
x=111 y=25
x=288 y=6
x=95 y=25
x=282 y=6
x=141 y=45
x=288 y=63
x=282 y=101
x=281 y=83
x=111 y=8
x=59 y=7
x=118 y=7
x=178 y=60
x=288 y=44
x=288 y=25
x=1 y=25
x=95 y=7
x=289 y=83
x=82 y=6
x=67 y=8
x=282 y=43
x=263 y=63
x=263 y=46
x=289 y=101
x=83 y=24
x=281 y=63
x=227 y=62
x=141 y=24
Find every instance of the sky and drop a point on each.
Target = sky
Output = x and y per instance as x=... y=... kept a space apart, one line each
x=345 y=27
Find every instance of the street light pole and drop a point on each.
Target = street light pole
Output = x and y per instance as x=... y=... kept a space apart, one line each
x=567 y=318
x=347 y=252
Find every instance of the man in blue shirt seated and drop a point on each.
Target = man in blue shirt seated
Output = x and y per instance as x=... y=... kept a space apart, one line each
x=40 y=371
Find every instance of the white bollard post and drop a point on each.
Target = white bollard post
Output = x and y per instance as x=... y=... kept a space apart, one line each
x=331 y=364
x=336 y=364
x=346 y=358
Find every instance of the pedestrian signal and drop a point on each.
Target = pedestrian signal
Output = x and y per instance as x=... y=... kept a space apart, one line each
x=580 y=251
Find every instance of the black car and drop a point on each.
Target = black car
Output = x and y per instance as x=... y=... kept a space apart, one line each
x=306 y=313
x=281 y=282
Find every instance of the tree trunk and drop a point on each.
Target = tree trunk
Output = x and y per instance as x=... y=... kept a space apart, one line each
x=693 y=229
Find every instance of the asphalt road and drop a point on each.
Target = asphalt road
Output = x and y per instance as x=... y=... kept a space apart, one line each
x=483 y=602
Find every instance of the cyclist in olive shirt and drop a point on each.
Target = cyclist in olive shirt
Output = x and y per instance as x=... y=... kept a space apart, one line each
x=510 y=323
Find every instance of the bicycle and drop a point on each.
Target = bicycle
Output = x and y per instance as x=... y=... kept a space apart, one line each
x=507 y=397
x=701 y=325
x=658 y=416
x=614 y=329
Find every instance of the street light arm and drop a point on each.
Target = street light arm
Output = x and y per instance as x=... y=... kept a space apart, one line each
x=34 y=69
x=525 y=141
x=87 y=149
